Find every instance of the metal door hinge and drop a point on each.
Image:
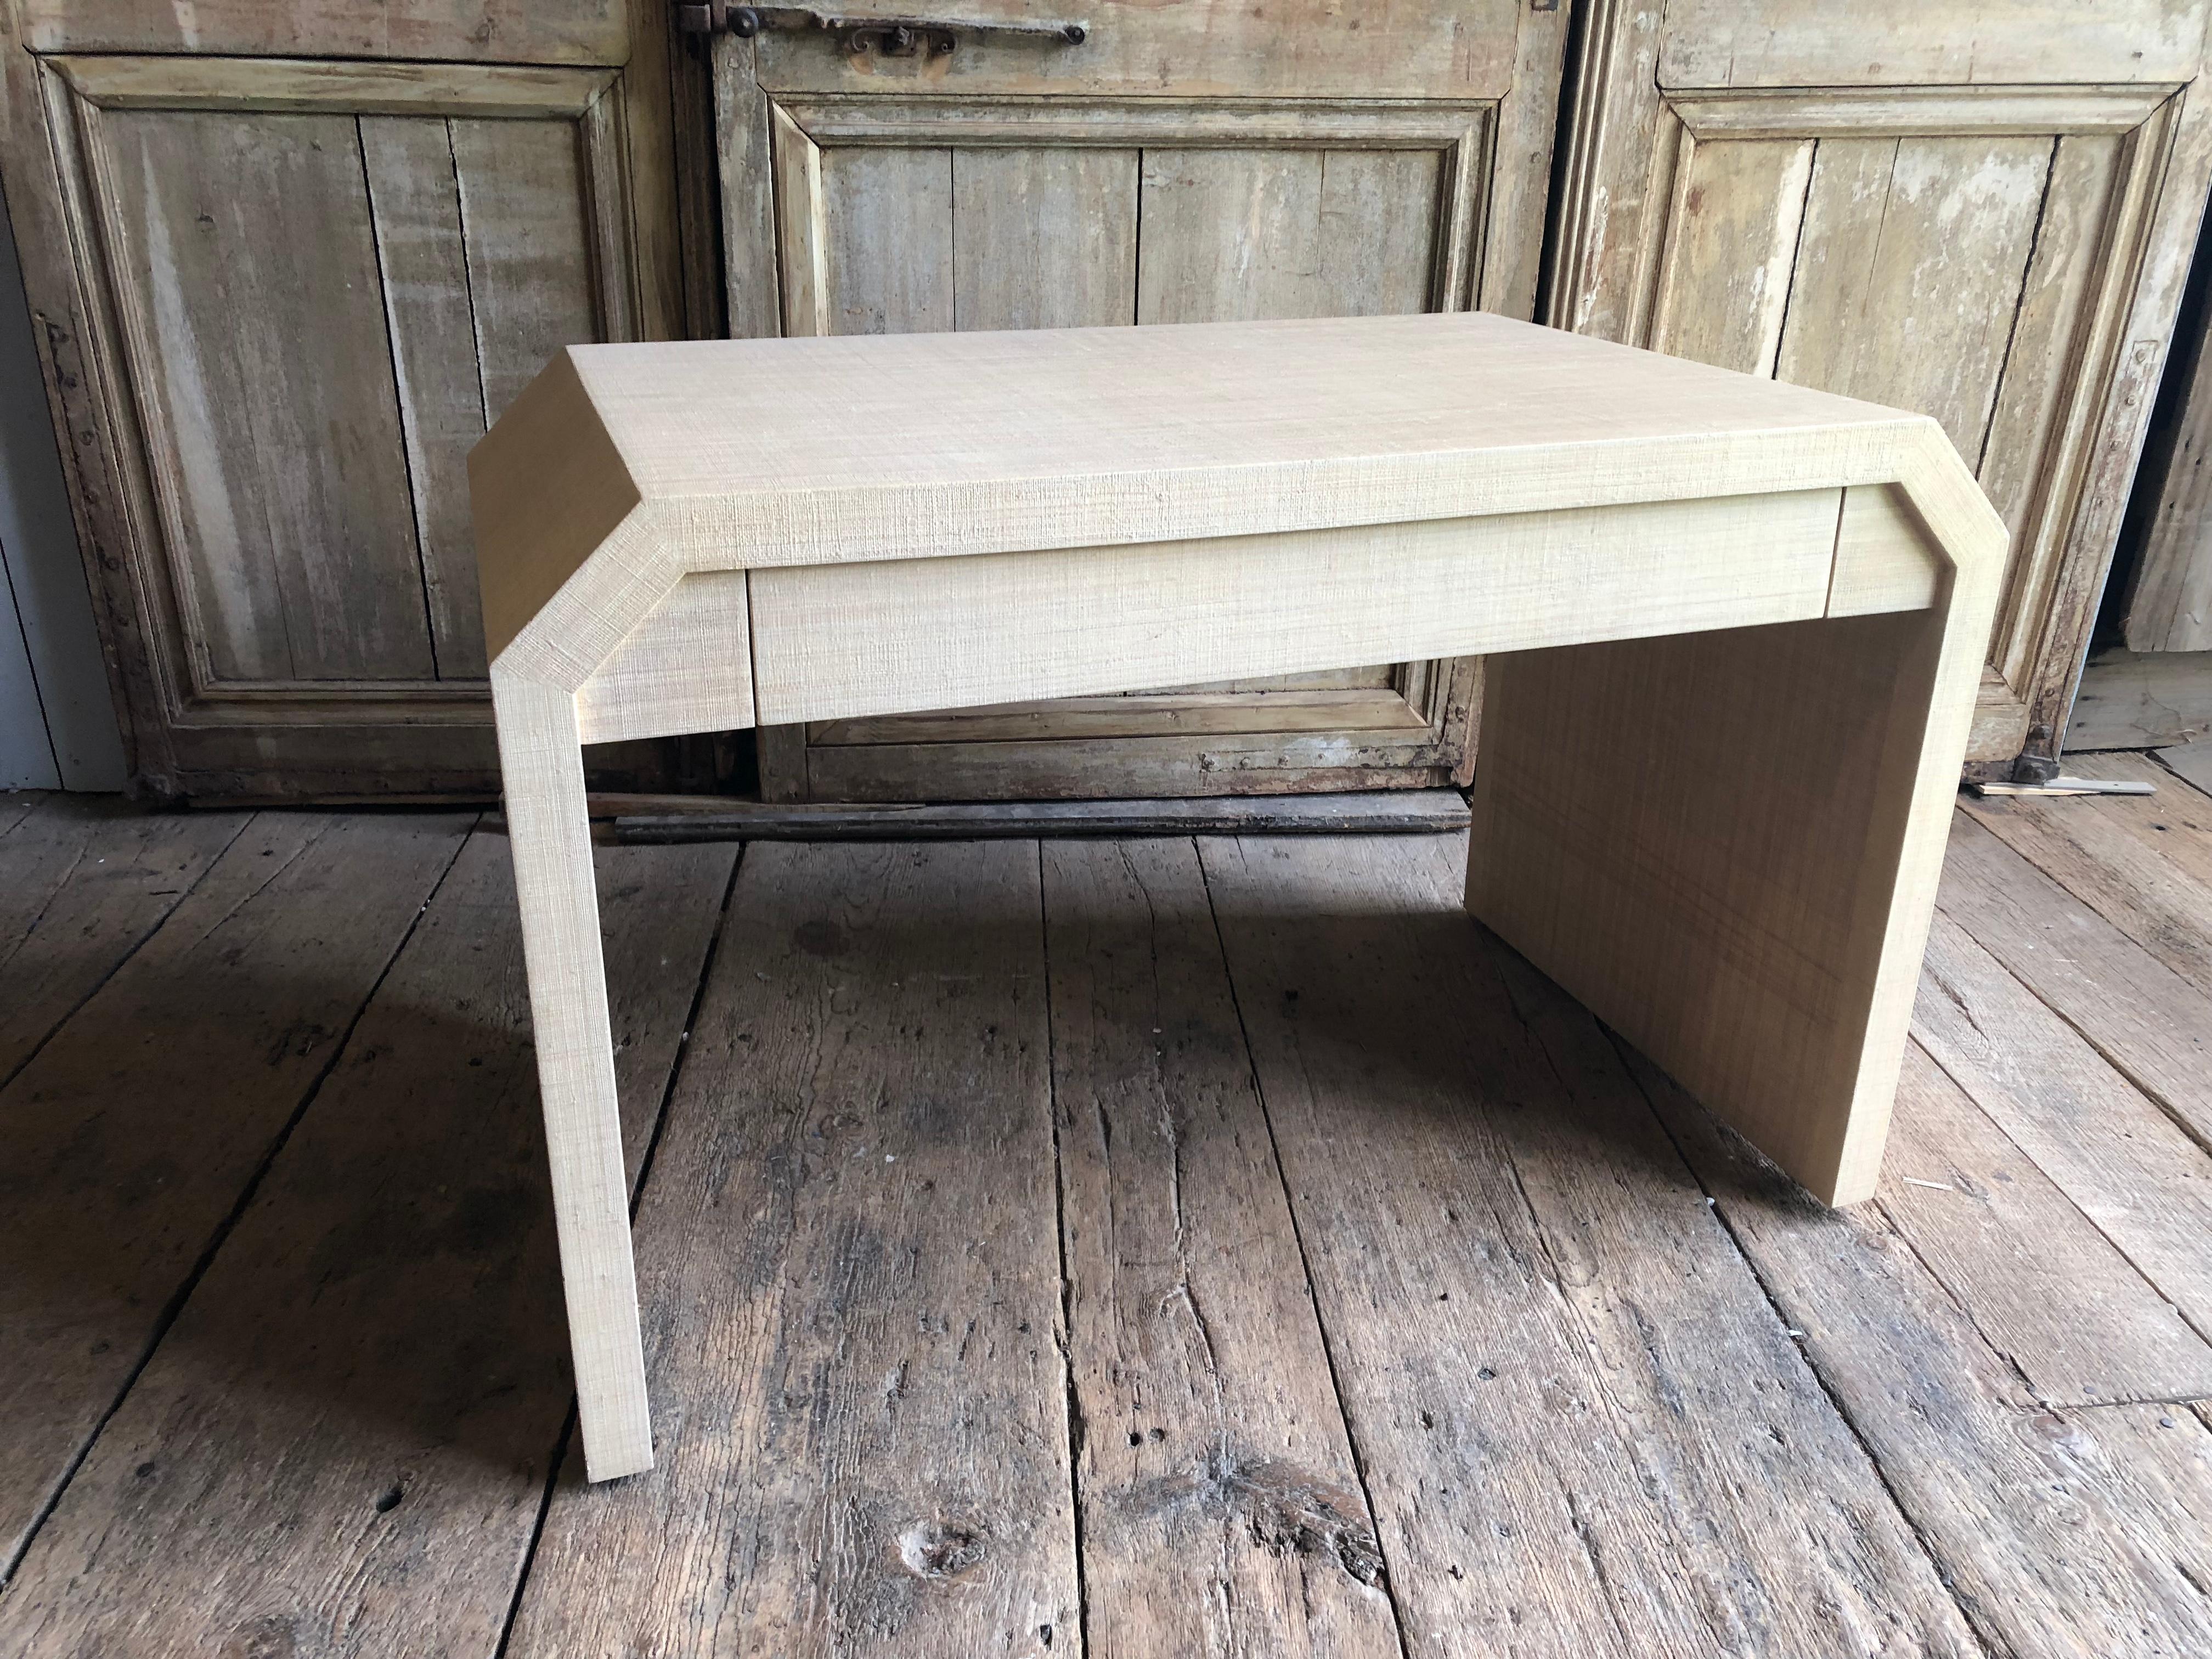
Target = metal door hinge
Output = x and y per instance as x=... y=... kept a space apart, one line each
x=890 y=37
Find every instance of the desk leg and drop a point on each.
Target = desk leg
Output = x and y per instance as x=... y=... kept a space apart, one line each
x=550 y=836
x=1726 y=845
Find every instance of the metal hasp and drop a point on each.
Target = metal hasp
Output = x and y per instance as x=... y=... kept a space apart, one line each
x=890 y=37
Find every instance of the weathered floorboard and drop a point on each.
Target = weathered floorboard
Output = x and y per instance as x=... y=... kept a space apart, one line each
x=2124 y=1163
x=2065 y=1534
x=2102 y=852
x=2176 y=823
x=132 y=1134
x=2045 y=1287
x=2191 y=763
x=88 y=879
x=1603 y=1443
x=340 y=1446
x=1585 y=1433
x=1221 y=1507
x=851 y=1290
x=2149 y=1024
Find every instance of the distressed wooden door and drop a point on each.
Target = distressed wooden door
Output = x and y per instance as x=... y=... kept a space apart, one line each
x=1184 y=163
x=286 y=262
x=1979 y=209
x=2168 y=605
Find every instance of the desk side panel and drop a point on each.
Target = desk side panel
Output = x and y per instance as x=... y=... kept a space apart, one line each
x=1703 y=838
x=841 y=641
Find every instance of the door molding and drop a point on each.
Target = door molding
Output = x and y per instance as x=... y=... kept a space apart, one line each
x=80 y=91
x=1461 y=133
x=1616 y=241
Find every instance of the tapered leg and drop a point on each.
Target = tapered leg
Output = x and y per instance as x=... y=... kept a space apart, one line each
x=1726 y=845
x=550 y=834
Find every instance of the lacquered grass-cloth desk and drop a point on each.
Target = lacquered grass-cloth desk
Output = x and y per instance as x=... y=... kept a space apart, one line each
x=1735 y=632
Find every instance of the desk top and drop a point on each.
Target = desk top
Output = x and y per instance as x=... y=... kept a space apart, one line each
x=659 y=460
x=774 y=415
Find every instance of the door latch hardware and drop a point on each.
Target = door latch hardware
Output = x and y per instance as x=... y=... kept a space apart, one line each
x=890 y=37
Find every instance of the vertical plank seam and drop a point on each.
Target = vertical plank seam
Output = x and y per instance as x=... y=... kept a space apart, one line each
x=953 y=256
x=1137 y=247
x=467 y=270
x=398 y=396
x=1990 y=1642
x=2019 y=304
x=1836 y=552
x=752 y=665
x=1473 y=159
x=780 y=293
x=1772 y=368
x=245 y=822
x=175 y=1304
x=1064 y=1338
x=1389 y=1577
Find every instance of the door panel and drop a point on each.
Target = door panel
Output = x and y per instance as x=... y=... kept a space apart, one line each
x=1050 y=237
x=955 y=193
x=268 y=396
x=1920 y=313
x=2004 y=258
x=288 y=282
x=887 y=216
x=292 y=293
x=423 y=262
x=1248 y=233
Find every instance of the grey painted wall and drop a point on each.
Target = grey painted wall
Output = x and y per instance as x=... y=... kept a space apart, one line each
x=57 y=723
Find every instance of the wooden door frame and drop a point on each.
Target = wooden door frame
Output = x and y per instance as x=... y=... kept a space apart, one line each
x=1616 y=207
x=183 y=736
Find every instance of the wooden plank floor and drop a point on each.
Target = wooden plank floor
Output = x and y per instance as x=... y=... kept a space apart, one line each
x=1160 y=1246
